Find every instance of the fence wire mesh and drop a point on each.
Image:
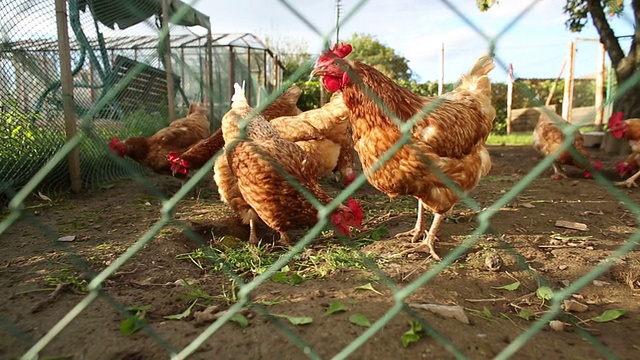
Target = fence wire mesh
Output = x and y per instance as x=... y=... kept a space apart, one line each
x=240 y=277
x=33 y=126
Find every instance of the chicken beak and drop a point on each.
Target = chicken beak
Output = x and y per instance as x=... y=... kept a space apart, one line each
x=316 y=72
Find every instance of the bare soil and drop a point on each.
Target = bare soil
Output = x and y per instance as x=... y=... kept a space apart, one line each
x=106 y=222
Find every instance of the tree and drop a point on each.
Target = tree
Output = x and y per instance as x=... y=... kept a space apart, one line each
x=626 y=66
x=369 y=50
x=291 y=53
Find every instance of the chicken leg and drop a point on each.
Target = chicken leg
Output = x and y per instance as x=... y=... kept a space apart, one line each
x=428 y=244
x=417 y=230
x=558 y=172
x=253 y=237
x=630 y=182
x=285 y=240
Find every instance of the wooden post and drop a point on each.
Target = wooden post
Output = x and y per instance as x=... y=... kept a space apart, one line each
x=249 y=82
x=182 y=82
x=167 y=62
x=555 y=84
x=600 y=89
x=509 y=99
x=209 y=66
x=67 y=93
x=232 y=75
x=441 y=82
x=567 y=102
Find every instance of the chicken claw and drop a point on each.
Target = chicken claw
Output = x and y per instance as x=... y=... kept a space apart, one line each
x=627 y=183
x=559 y=176
x=630 y=182
x=418 y=230
x=421 y=247
x=285 y=240
x=415 y=233
x=428 y=244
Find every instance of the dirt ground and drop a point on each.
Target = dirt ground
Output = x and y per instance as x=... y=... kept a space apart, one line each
x=108 y=221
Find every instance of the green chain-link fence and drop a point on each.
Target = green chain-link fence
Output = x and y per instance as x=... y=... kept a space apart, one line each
x=32 y=122
x=32 y=117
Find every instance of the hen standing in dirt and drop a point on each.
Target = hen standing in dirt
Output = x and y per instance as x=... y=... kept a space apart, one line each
x=259 y=158
x=548 y=138
x=449 y=139
x=177 y=137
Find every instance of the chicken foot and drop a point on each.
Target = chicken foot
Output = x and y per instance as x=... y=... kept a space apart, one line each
x=630 y=182
x=428 y=244
x=285 y=240
x=558 y=173
x=418 y=230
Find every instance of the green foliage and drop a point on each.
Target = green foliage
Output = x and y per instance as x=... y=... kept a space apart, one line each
x=142 y=123
x=17 y=129
x=578 y=12
x=310 y=98
x=292 y=54
x=25 y=146
x=425 y=89
x=367 y=49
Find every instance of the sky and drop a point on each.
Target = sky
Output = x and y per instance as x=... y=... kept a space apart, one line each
x=536 y=43
x=529 y=34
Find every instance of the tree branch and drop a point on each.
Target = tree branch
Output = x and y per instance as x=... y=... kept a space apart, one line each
x=607 y=36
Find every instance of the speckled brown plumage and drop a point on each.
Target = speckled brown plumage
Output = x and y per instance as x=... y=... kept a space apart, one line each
x=258 y=158
x=450 y=137
x=200 y=153
x=548 y=138
x=177 y=137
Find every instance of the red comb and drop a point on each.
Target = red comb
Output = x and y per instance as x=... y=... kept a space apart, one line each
x=616 y=117
x=354 y=205
x=113 y=141
x=172 y=157
x=598 y=165
x=342 y=50
x=621 y=168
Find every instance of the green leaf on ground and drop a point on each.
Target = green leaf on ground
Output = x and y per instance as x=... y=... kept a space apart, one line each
x=509 y=287
x=335 y=307
x=360 y=320
x=609 y=315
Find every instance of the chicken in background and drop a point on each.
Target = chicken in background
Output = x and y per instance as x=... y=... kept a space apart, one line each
x=177 y=137
x=198 y=155
x=449 y=138
x=258 y=158
x=548 y=139
x=630 y=130
x=325 y=134
x=312 y=131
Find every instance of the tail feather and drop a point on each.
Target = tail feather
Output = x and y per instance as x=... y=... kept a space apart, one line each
x=477 y=78
x=239 y=98
x=483 y=66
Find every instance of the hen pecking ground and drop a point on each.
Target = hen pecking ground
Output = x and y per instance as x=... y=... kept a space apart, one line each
x=526 y=248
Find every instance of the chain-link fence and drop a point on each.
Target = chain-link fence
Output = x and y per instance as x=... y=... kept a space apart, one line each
x=33 y=127
x=113 y=253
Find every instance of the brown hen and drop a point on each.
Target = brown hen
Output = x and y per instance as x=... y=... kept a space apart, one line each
x=449 y=139
x=198 y=155
x=548 y=139
x=177 y=137
x=259 y=161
